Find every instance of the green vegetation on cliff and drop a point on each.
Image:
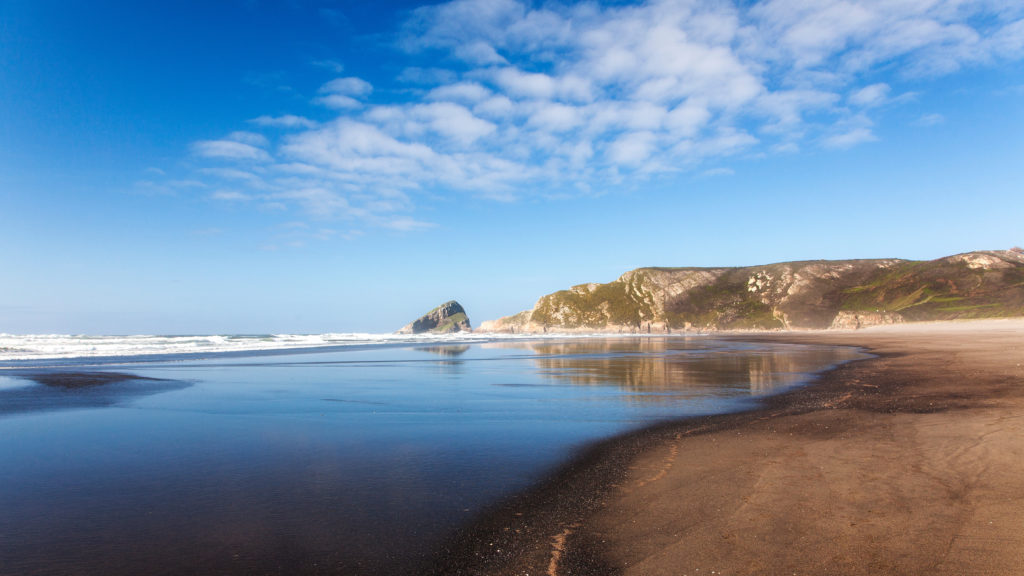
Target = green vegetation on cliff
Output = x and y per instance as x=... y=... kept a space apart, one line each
x=808 y=294
x=452 y=323
x=941 y=290
x=595 y=306
x=726 y=303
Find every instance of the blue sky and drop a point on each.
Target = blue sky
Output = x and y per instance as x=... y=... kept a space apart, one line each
x=223 y=167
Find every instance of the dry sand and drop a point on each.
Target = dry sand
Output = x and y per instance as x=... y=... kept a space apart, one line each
x=908 y=463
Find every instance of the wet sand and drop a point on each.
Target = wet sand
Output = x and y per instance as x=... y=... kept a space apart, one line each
x=908 y=463
x=61 y=389
x=76 y=380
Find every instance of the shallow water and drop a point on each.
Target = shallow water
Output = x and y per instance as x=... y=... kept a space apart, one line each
x=355 y=461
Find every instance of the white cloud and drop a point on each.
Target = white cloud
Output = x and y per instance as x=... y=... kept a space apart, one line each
x=466 y=92
x=406 y=224
x=808 y=33
x=319 y=202
x=230 y=150
x=538 y=85
x=555 y=117
x=725 y=142
x=1007 y=42
x=328 y=64
x=343 y=93
x=850 y=138
x=525 y=85
x=632 y=149
x=460 y=23
x=718 y=172
x=849 y=132
x=250 y=138
x=350 y=86
x=452 y=121
x=417 y=75
x=930 y=120
x=788 y=107
x=479 y=53
x=187 y=183
x=285 y=121
x=360 y=152
x=546 y=98
x=580 y=154
x=687 y=119
x=870 y=96
x=230 y=196
x=920 y=37
x=495 y=107
x=786 y=148
x=635 y=115
x=248 y=177
x=339 y=102
x=662 y=52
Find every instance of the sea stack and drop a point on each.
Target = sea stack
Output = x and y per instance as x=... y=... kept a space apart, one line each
x=446 y=318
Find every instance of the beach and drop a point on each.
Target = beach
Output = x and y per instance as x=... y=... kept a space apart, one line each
x=347 y=459
x=911 y=462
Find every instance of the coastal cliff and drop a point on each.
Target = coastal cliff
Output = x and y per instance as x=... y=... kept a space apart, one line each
x=446 y=318
x=790 y=295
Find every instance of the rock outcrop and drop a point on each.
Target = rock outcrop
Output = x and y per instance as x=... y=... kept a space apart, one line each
x=446 y=318
x=846 y=320
x=816 y=294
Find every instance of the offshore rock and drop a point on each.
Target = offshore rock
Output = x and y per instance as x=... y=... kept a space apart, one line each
x=446 y=318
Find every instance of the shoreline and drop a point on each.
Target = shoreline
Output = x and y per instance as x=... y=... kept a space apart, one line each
x=849 y=473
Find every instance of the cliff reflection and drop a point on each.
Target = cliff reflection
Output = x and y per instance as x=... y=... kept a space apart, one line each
x=662 y=369
x=450 y=350
x=450 y=364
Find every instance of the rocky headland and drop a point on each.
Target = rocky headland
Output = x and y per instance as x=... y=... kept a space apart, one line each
x=446 y=318
x=818 y=294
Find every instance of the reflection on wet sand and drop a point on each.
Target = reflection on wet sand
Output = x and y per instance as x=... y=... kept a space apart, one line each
x=347 y=462
x=450 y=363
x=61 y=390
x=658 y=368
x=445 y=350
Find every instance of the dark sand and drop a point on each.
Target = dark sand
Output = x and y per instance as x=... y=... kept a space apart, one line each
x=908 y=463
x=66 y=389
x=75 y=380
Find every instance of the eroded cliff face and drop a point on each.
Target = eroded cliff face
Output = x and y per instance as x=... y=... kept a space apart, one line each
x=846 y=320
x=790 y=295
x=446 y=318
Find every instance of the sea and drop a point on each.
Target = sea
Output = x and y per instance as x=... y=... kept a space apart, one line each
x=323 y=454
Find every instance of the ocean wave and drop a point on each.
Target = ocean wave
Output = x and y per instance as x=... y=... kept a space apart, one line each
x=70 y=346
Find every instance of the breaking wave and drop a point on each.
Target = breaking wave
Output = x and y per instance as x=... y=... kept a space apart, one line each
x=65 y=346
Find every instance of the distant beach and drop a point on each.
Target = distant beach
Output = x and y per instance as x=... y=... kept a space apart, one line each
x=911 y=462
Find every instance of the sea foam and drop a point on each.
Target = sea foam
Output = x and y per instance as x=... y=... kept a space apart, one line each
x=66 y=346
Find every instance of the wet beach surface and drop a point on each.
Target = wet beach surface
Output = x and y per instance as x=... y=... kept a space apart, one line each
x=24 y=391
x=908 y=462
x=351 y=462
